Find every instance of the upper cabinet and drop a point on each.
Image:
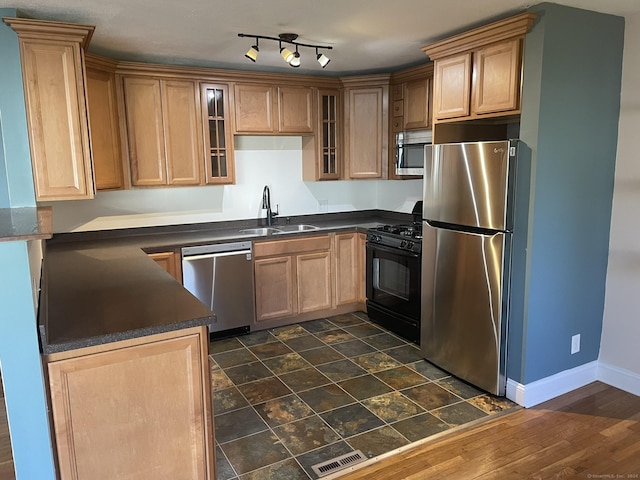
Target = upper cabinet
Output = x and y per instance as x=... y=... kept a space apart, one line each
x=478 y=73
x=264 y=109
x=366 y=114
x=218 y=138
x=52 y=56
x=322 y=154
x=104 y=123
x=163 y=131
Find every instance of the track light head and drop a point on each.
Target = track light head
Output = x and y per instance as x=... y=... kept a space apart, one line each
x=252 y=53
x=323 y=60
x=295 y=61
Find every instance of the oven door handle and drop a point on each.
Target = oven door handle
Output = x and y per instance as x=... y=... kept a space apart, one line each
x=395 y=251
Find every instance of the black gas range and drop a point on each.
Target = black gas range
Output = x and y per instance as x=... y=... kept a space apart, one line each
x=394 y=267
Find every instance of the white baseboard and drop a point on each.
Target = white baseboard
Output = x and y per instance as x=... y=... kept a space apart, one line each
x=550 y=387
x=619 y=378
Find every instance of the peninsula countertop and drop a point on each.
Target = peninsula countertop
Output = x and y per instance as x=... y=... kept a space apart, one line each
x=101 y=287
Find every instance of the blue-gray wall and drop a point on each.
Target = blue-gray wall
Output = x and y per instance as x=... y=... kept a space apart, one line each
x=569 y=123
x=19 y=351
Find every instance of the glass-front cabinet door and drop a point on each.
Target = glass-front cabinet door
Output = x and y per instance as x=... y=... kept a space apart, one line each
x=329 y=138
x=218 y=138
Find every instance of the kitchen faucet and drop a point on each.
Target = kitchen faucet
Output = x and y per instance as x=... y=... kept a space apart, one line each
x=266 y=204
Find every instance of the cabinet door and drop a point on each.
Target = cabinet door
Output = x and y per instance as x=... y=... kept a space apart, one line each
x=329 y=135
x=57 y=118
x=313 y=278
x=347 y=262
x=218 y=138
x=254 y=109
x=295 y=109
x=105 y=136
x=182 y=132
x=143 y=107
x=416 y=104
x=169 y=261
x=496 y=80
x=115 y=417
x=274 y=288
x=452 y=86
x=366 y=135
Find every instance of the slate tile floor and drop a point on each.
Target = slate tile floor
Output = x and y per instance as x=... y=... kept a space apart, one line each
x=291 y=397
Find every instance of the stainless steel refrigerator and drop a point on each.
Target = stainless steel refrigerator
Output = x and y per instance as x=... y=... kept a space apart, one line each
x=466 y=258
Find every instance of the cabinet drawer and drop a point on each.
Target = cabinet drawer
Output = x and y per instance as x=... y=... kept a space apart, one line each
x=297 y=245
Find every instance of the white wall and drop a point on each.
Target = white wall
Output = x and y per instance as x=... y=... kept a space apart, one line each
x=621 y=329
x=273 y=161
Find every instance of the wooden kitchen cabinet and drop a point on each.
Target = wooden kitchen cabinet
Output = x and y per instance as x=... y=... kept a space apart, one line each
x=366 y=126
x=52 y=56
x=292 y=276
x=295 y=109
x=322 y=153
x=163 y=131
x=274 y=288
x=218 y=136
x=313 y=278
x=416 y=102
x=114 y=417
x=348 y=264
x=478 y=73
x=362 y=269
x=253 y=106
x=268 y=109
x=169 y=261
x=104 y=122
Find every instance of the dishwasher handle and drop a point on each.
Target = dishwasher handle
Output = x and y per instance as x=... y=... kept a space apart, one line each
x=188 y=258
x=215 y=248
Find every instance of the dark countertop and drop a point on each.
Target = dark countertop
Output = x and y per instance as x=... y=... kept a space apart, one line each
x=101 y=287
x=28 y=223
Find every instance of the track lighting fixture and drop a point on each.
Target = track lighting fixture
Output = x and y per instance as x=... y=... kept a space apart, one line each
x=292 y=58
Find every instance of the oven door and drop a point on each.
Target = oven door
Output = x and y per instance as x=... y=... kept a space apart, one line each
x=393 y=279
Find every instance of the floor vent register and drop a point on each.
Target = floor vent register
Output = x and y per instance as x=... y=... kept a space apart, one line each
x=338 y=463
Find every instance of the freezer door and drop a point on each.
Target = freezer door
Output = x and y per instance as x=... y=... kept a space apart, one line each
x=468 y=184
x=464 y=305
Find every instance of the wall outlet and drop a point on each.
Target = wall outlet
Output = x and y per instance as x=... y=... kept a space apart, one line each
x=575 y=344
x=323 y=205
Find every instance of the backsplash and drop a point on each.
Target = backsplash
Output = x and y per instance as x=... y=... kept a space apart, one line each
x=271 y=160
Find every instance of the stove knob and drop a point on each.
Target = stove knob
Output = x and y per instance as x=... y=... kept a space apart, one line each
x=403 y=244
x=410 y=245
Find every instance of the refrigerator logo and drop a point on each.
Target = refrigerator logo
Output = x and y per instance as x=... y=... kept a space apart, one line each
x=498 y=150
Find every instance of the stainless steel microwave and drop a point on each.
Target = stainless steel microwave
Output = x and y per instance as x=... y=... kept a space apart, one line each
x=411 y=148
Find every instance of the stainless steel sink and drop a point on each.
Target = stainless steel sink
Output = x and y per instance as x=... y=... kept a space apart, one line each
x=259 y=231
x=296 y=228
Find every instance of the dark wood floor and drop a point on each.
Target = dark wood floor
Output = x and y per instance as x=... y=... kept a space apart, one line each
x=592 y=432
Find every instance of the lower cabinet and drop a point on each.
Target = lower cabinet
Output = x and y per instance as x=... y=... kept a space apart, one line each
x=309 y=275
x=292 y=276
x=170 y=261
x=134 y=409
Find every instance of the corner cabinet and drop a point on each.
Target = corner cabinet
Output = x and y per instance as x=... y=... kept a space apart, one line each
x=52 y=56
x=218 y=137
x=145 y=427
x=163 y=131
x=169 y=262
x=478 y=73
x=366 y=113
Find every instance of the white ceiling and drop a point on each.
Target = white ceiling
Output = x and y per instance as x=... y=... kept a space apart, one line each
x=367 y=35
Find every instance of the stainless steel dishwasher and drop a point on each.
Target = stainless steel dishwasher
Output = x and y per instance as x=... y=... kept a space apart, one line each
x=221 y=277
